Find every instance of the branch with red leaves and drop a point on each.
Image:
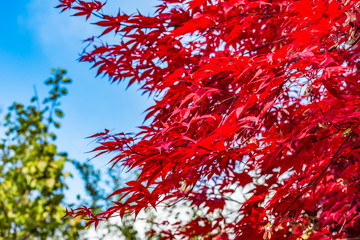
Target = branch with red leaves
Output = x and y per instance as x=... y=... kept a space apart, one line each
x=255 y=95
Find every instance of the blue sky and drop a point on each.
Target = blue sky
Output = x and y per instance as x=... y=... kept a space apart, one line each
x=36 y=38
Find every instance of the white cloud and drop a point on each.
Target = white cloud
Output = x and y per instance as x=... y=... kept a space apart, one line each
x=54 y=31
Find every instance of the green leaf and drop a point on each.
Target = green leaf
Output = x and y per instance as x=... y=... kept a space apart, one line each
x=59 y=113
x=57 y=124
x=52 y=136
x=66 y=80
x=64 y=91
x=33 y=99
x=50 y=182
x=49 y=81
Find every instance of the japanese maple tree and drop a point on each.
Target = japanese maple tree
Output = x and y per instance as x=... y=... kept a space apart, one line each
x=261 y=96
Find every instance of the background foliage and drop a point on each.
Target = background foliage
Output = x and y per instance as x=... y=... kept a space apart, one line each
x=32 y=174
x=32 y=170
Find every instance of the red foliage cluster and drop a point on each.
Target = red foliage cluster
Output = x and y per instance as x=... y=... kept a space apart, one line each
x=257 y=95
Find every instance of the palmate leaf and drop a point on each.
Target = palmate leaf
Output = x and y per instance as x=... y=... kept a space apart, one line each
x=258 y=95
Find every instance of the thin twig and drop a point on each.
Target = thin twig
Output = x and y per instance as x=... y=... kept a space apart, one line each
x=319 y=177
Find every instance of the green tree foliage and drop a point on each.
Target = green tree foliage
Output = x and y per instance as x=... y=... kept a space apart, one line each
x=32 y=176
x=32 y=170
